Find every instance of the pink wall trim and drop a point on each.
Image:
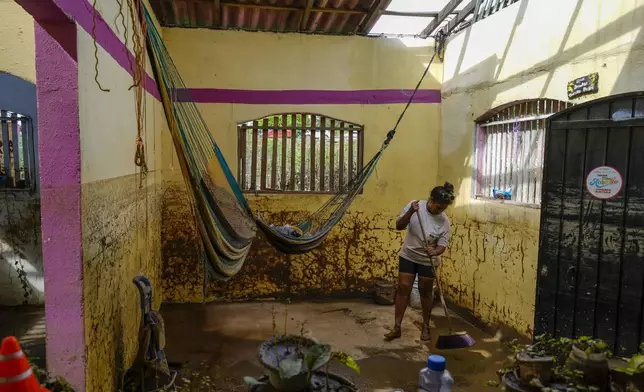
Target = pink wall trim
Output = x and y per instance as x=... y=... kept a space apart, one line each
x=60 y=181
x=83 y=13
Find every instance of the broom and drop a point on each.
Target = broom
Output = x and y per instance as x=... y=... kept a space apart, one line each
x=451 y=340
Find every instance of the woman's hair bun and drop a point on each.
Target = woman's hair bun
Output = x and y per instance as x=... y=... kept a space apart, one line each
x=448 y=187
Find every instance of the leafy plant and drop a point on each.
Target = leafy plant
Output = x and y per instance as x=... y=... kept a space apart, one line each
x=592 y=346
x=53 y=383
x=346 y=360
x=635 y=365
x=290 y=368
x=317 y=356
x=250 y=381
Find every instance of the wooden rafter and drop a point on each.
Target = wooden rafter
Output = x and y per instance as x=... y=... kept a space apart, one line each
x=373 y=15
x=306 y=14
x=444 y=13
x=289 y=8
x=465 y=12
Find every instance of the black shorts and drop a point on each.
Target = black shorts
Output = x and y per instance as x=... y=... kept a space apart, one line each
x=408 y=267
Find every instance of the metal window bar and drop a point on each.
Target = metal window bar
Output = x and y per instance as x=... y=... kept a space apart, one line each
x=17 y=160
x=509 y=150
x=486 y=8
x=298 y=153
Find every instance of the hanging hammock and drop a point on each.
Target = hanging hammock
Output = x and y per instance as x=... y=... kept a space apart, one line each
x=225 y=222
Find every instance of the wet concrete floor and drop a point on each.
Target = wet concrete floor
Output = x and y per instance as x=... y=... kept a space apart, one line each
x=221 y=340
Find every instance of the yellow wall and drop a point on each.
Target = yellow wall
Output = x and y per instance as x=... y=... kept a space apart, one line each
x=528 y=50
x=17 y=41
x=364 y=245
x=121 y=225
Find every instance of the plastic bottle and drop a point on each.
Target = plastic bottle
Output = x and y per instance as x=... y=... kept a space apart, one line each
x=435 y=377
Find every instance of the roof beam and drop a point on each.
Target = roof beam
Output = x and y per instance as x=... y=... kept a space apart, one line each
x=412 y=14
x=465 y=12
x=448 y=9
x=229 y=3
x=373 y=15
x=306 y=14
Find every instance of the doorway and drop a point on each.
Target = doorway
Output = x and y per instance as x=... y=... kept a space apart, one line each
x=590 y=277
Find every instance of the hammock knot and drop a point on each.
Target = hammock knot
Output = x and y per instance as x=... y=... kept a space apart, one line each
x=390 y=135
x=139 y=155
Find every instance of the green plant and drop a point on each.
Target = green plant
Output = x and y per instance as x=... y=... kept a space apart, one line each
x=559 y=348
x=53 y=383
x=592 y=346
x=313 y=358
x=635 y=365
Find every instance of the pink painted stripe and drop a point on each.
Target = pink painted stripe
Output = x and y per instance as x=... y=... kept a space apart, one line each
x=307 y=97
x=82 y=12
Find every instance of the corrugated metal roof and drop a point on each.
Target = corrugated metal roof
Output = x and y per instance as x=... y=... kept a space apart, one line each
x=342 y=17
x=318 y=16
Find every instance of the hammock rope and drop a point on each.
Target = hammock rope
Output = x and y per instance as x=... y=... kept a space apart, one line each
x=224 y=219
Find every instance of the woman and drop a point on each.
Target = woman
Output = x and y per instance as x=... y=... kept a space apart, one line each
x=415 y=253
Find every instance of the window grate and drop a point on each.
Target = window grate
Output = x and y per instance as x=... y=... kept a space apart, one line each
x=509 y=151
x=485 y=8
x=17 y=160
x=299 y=153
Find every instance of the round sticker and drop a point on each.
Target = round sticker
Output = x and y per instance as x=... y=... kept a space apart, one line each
x=604 y=182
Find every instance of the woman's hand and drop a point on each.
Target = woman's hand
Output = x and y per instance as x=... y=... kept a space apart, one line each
x=414 y=207
x=435 y=250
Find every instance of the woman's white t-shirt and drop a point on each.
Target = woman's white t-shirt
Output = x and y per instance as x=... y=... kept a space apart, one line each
x=436 y=229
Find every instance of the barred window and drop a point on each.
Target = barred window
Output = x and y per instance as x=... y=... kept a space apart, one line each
x=17 y=150
x=299 y=153
x=509 y=149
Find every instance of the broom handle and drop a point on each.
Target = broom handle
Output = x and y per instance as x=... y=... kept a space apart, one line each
x=438 y=281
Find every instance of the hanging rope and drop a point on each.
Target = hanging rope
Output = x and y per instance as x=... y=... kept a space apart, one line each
x=439 y=41
x=94 y=16
x=139 y=30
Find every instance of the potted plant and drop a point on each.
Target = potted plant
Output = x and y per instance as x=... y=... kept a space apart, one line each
x=538 y=364
x=631 y=377
x=588 y=359
x=294 y=364
x=320 y=381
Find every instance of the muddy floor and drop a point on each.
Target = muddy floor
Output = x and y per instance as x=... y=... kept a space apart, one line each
x=221 y=340
x=27 y=323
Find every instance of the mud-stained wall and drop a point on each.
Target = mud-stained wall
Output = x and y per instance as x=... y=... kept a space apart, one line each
x=364 y=245
x=120 y=209
x=21 y=280
x=121 y=239
x=492 y=259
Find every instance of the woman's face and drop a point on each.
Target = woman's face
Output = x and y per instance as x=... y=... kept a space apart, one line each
x=436 y=208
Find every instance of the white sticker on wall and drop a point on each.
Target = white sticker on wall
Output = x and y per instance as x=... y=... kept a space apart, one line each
x=604 y=182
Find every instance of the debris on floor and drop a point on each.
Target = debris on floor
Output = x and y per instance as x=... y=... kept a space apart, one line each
x=221 y=342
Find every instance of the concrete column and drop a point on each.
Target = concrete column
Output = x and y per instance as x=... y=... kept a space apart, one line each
x=60 y=179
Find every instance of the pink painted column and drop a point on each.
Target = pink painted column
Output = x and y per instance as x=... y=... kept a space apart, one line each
x=60 y=182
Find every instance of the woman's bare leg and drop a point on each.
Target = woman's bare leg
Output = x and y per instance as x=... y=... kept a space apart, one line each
x=405 y=282
x=426 y=289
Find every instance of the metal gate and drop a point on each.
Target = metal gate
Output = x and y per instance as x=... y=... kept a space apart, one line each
x=590 y=277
